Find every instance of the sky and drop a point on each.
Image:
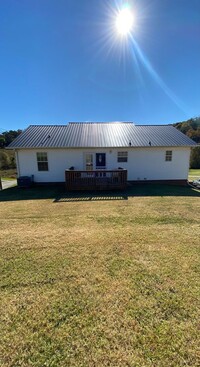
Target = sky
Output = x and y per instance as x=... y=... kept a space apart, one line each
x=64 y=61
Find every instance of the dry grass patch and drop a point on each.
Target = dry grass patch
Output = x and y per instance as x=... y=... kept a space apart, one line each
x=112 y=283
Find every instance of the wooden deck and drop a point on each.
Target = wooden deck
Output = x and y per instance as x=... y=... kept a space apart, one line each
x=96 y=180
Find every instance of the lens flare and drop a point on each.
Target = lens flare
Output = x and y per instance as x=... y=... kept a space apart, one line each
x=143 y=59
x=124 y=21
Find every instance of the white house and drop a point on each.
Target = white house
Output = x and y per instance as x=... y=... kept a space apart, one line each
x=147 y=152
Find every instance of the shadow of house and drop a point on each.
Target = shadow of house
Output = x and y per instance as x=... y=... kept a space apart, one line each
x=58 y=194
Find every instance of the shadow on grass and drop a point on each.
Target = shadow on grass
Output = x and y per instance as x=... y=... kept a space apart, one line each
x=59 y=195
x=32 y=193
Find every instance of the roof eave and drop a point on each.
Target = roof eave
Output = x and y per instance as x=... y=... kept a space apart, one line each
x=104 y=147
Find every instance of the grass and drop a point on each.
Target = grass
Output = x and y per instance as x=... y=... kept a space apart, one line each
x=8 y=174
x=107 y=283
x=7 y=178
x=194 y=174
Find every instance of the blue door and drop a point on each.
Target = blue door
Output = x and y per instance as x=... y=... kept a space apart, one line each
x=100 y=160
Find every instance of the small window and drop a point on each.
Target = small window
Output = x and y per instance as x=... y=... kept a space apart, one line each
x=122 y=157
x=168 y=156
x=42 y=161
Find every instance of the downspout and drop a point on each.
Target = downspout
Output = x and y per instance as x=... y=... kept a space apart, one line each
x=17 y=163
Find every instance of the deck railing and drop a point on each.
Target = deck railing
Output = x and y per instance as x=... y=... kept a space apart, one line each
x=96 y=180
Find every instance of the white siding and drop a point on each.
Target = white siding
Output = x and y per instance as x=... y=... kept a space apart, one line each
x=143 y=163
x=150 y=164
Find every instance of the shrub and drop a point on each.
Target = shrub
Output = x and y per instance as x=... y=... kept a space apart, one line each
x=4 y=160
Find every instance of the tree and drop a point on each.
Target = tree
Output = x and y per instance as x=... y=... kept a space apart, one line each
x=4 y=160
x=195 y=158
x=2 y=141
x=10 y=136
x=185 y=127
x=190 y=128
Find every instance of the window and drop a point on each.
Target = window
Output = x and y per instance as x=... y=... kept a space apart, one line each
x=168 y=156
x=89 y=161
x=122 y=157
x=42 y=161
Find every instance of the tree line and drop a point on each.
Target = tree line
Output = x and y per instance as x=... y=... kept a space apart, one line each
x=7 y=158
x=191 y=128
x=8 y=136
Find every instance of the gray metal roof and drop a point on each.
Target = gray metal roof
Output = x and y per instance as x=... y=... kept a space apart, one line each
x=102 y=135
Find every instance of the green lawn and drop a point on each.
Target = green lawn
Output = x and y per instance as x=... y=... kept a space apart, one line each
x=8 y=174
x=97 y=280
x=194 y=174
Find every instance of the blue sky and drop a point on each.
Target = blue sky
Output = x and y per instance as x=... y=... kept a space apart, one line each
x=62 y=60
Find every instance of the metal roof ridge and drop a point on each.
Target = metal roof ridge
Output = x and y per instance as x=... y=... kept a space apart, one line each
x=43 y=125
x=99 y=122
x=153 y=125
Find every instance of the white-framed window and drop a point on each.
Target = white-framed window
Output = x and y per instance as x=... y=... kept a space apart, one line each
x=42 y=161
x=122 y=157
x=168 y=155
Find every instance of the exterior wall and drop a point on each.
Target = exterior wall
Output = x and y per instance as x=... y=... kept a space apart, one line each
x=58 y=161
x=150 y=164
x=143 y=163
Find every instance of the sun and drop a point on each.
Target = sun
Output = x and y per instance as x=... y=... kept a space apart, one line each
x=124 y=21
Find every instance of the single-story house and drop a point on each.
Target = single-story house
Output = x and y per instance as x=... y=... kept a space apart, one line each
x=146 y=152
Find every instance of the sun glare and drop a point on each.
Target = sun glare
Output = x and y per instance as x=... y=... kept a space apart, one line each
x=124 y=21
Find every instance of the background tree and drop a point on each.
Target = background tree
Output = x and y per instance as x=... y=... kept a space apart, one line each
x=2 y=141
x=191 y=128
x=195 y=158
x=4 y=160
x=10 y=136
